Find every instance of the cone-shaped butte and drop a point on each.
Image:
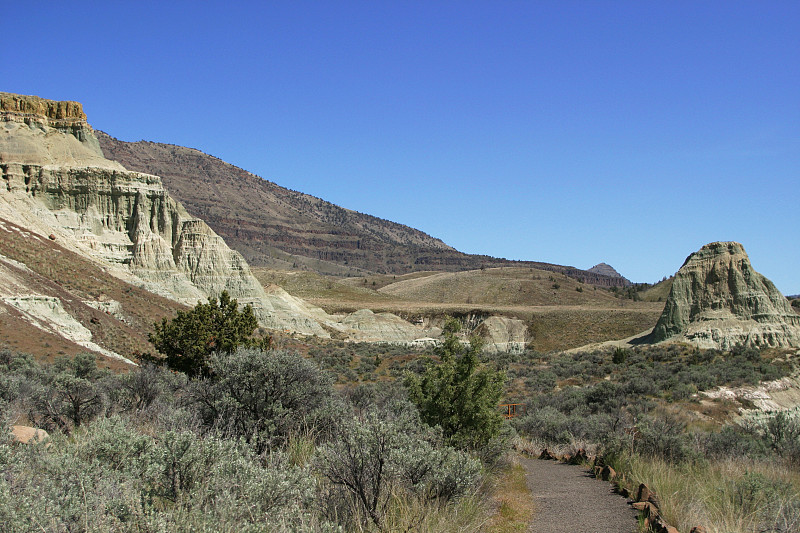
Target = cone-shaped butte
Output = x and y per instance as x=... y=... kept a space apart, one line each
x=718 y=301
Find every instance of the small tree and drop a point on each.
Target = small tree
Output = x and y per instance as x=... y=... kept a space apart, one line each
x=189 y=339
x=459 y=394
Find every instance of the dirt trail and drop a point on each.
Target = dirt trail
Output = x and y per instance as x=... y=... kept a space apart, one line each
x=568 y=500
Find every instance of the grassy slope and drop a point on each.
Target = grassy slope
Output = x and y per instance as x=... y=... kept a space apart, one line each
x=559 y=318
x=501 y=286
x=310 y=285
x=658 y=292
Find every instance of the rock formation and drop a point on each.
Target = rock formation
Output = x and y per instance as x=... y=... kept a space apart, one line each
x=718 y=300
x=31 y=128
x=367 y=326
x=57 y=184
x=604 y=269
x=48 y=314
x=52 y=167
x=503 y=334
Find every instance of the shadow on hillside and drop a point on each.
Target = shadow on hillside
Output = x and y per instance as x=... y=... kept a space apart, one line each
x=647 y=338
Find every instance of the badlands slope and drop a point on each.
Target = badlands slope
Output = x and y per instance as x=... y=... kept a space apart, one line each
x=57 y=187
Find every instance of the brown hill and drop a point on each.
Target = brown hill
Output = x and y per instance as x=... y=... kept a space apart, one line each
x=272 y=226
x=500 y=286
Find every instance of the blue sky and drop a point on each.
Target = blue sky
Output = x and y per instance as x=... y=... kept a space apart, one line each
x=569 y=132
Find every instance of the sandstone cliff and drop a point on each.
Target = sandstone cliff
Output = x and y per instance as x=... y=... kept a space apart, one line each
x=718 y=300
x=56 y=183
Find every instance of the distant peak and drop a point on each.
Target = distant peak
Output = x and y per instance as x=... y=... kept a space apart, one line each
x=604 y=269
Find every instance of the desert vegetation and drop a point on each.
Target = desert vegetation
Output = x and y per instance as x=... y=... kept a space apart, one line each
x=640 y=411
x=224 y=431
x=263 y=443
x=246 y=439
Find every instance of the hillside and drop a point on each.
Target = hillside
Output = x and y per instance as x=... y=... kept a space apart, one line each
x=658 y=292
x=55 y=301
x=61 y=189
x=500 y=286
x=555 y=319
x=275 y=227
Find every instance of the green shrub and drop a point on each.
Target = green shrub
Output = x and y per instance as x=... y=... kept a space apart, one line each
x=263 y=396
x=546 y=424
x=67 y=393
x=188 y=340
x=665 y=438
x=541 y=381
x=774 y=503
x=779 y=431
x=459 y=394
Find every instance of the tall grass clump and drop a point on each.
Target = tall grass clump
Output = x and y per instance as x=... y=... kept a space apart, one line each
x=726 y=496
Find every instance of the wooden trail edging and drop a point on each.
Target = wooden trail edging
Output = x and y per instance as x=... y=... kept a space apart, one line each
x=645 y=502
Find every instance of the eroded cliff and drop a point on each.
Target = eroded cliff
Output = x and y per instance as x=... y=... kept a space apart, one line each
x=718 y=300
x=56 y=182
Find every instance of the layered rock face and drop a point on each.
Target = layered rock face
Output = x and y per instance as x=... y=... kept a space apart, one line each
x=503 y=334
x=30 y=128
x=56 y=182
x=718 y=300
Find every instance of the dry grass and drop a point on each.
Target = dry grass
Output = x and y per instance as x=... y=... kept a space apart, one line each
x=512 y=501
x=501 y=286
x=310 y=285
x=658 y=292
x=379 y=281
x=731 y=496
x=467 y=515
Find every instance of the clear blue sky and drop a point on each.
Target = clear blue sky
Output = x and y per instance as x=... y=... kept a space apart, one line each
x=569 y=132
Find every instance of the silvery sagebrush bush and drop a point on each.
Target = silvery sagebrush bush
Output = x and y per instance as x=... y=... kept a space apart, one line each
x=112 y=478
x=263 y=396
x=378 y=455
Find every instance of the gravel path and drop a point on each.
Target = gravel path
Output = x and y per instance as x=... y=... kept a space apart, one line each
x=568 y=500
